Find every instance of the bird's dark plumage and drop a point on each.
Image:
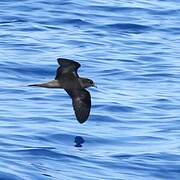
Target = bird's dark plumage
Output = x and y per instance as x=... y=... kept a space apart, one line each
x=81 y=101
x=67 y=66
x=68 y=79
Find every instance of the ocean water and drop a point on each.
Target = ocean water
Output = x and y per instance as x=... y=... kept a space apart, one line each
x=131 y=49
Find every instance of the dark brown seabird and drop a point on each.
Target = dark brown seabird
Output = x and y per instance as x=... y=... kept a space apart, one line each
x=68 y=79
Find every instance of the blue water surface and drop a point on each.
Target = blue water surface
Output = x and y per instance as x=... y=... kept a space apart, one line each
x=131 y=49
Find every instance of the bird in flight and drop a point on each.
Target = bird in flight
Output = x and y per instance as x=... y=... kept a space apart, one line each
x=68 y=79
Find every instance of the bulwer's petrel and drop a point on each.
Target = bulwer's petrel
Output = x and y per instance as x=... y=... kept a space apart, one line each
x=68 y=79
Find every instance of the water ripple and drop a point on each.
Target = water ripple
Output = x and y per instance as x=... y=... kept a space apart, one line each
x=130 y=49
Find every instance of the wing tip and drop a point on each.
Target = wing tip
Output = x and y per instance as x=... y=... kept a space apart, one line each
x=62 y=61
x=82 y=117
x=81 y=121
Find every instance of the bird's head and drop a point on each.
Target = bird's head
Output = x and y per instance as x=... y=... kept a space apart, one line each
x=85 y=82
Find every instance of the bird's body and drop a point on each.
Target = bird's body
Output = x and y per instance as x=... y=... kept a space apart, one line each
x=68 y=79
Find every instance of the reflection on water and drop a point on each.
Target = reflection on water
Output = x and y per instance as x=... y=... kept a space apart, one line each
x=78 y=141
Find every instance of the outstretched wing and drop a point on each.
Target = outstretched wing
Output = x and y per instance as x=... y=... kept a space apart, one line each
x=81 y=101
x=67 y=66
x=67 y=62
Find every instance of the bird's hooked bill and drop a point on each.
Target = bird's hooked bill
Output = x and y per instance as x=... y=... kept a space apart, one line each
x=94 y=85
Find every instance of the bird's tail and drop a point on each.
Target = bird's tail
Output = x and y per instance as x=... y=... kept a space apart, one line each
x=50 y=84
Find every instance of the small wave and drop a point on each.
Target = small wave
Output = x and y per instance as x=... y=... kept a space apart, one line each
x=12 y=21
x=48 y=153
x=9 y=176
x=127 y=27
